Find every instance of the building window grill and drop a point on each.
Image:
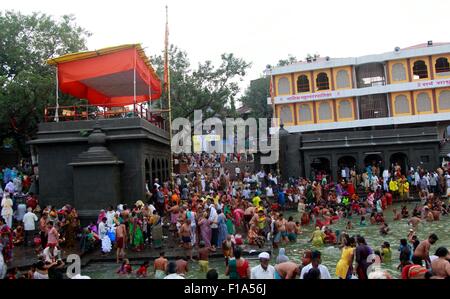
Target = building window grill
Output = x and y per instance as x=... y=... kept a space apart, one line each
x=373 y=106
x=322 y=82
x=420 y=70
x=442 y=66
x=302 y=83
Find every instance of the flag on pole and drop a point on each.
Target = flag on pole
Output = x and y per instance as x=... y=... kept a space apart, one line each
x=166 y=55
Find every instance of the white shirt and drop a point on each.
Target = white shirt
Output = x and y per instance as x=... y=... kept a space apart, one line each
x=10 y=187
x=102 y=230
x=259 y=273
x=269 y=191
x=174 y=276
x=29 y=220
x=110 y=218
x=49 y=257
x=324 y=274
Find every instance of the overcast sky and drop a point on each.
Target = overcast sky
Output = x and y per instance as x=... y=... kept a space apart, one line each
x=261 y=32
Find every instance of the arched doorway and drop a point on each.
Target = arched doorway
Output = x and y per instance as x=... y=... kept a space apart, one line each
x=320 y=166
x=374 y=160
x=347 y=163
x=153 y=171
x=401 y=159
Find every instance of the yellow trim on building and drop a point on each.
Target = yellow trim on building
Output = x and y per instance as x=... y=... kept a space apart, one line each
x=433 y=67
x=411 y=63
x=338 y=102
x=291 y=107
x=430 y=96
x=330 y=102
x=438 y=94
x=328 y=72
x=407 y=94
x=311 y=108
x=349 y=74
x=277 y=79
x=405 y=65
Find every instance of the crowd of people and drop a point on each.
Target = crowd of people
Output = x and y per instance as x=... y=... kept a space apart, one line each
x=212 y=210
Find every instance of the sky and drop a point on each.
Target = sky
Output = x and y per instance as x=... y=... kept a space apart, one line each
x=261 y=32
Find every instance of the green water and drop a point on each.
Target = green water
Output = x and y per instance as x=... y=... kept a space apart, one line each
x=330 y=254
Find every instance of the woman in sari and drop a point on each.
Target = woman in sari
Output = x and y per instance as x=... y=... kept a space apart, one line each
x=6 y=240
x=229 y=220
x=136 y=236
x=71 y=231
x=317 y=237
x=157 y=230
x=205 y=230
x=223 y=231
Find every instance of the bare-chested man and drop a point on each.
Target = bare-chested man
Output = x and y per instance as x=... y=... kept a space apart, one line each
x=248 y=215
x=121 y=240
x=429 y=215
x=423 y=250
x=414 y=221
x=160 y=266
x=185 y=235
x=203 y=256
x=287 y=270
x=291 y=229
x=441 y=266
x=182 y=266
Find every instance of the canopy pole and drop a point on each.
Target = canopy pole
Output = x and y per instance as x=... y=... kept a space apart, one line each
x=134 y=83
x=168 y=95
x=57 y=97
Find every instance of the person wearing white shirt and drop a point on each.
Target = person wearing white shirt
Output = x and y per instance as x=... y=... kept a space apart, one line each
x=385 y=179
x=102 y=228
x=264 y=270
x=315 y=262
x=10 y=188
x=110 y=217
x=172 y=269
x=29 y=223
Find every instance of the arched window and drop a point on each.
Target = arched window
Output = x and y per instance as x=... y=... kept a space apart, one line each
x=444 y=100
x=423 y=102
x=302 y=83
x=304 y=112
x=345 y=109
x=401 y=104
x=442 y=66
x=286 y=115
x=158 y=169
x=325 y=111
x=420 y=70
x=153 y=170
x=167 y=169
x=283 y=86
x=147 y=170
x=398 y=72
x=322 y=81
x=342 y=79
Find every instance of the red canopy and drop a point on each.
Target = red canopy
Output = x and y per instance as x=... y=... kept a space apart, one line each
x=105 y=77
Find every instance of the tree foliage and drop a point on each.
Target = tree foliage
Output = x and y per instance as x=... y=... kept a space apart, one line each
x=27 y=83
x=208 y=88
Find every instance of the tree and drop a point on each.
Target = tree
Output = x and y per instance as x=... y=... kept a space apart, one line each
x=27 y=83
x=208 y=88
x=255 y=98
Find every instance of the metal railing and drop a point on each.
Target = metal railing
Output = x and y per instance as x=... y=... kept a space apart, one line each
x=92 y=112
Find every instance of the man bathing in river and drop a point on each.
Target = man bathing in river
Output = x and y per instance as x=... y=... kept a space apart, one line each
x=287 y=270
x=160 y=266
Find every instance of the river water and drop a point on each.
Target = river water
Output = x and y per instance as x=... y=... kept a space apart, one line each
x=330 y=254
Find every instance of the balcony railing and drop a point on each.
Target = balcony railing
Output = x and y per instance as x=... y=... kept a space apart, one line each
x=92 y=112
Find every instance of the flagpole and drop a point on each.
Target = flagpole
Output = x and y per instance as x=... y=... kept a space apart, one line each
x=168 y=94
x=57 y=96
